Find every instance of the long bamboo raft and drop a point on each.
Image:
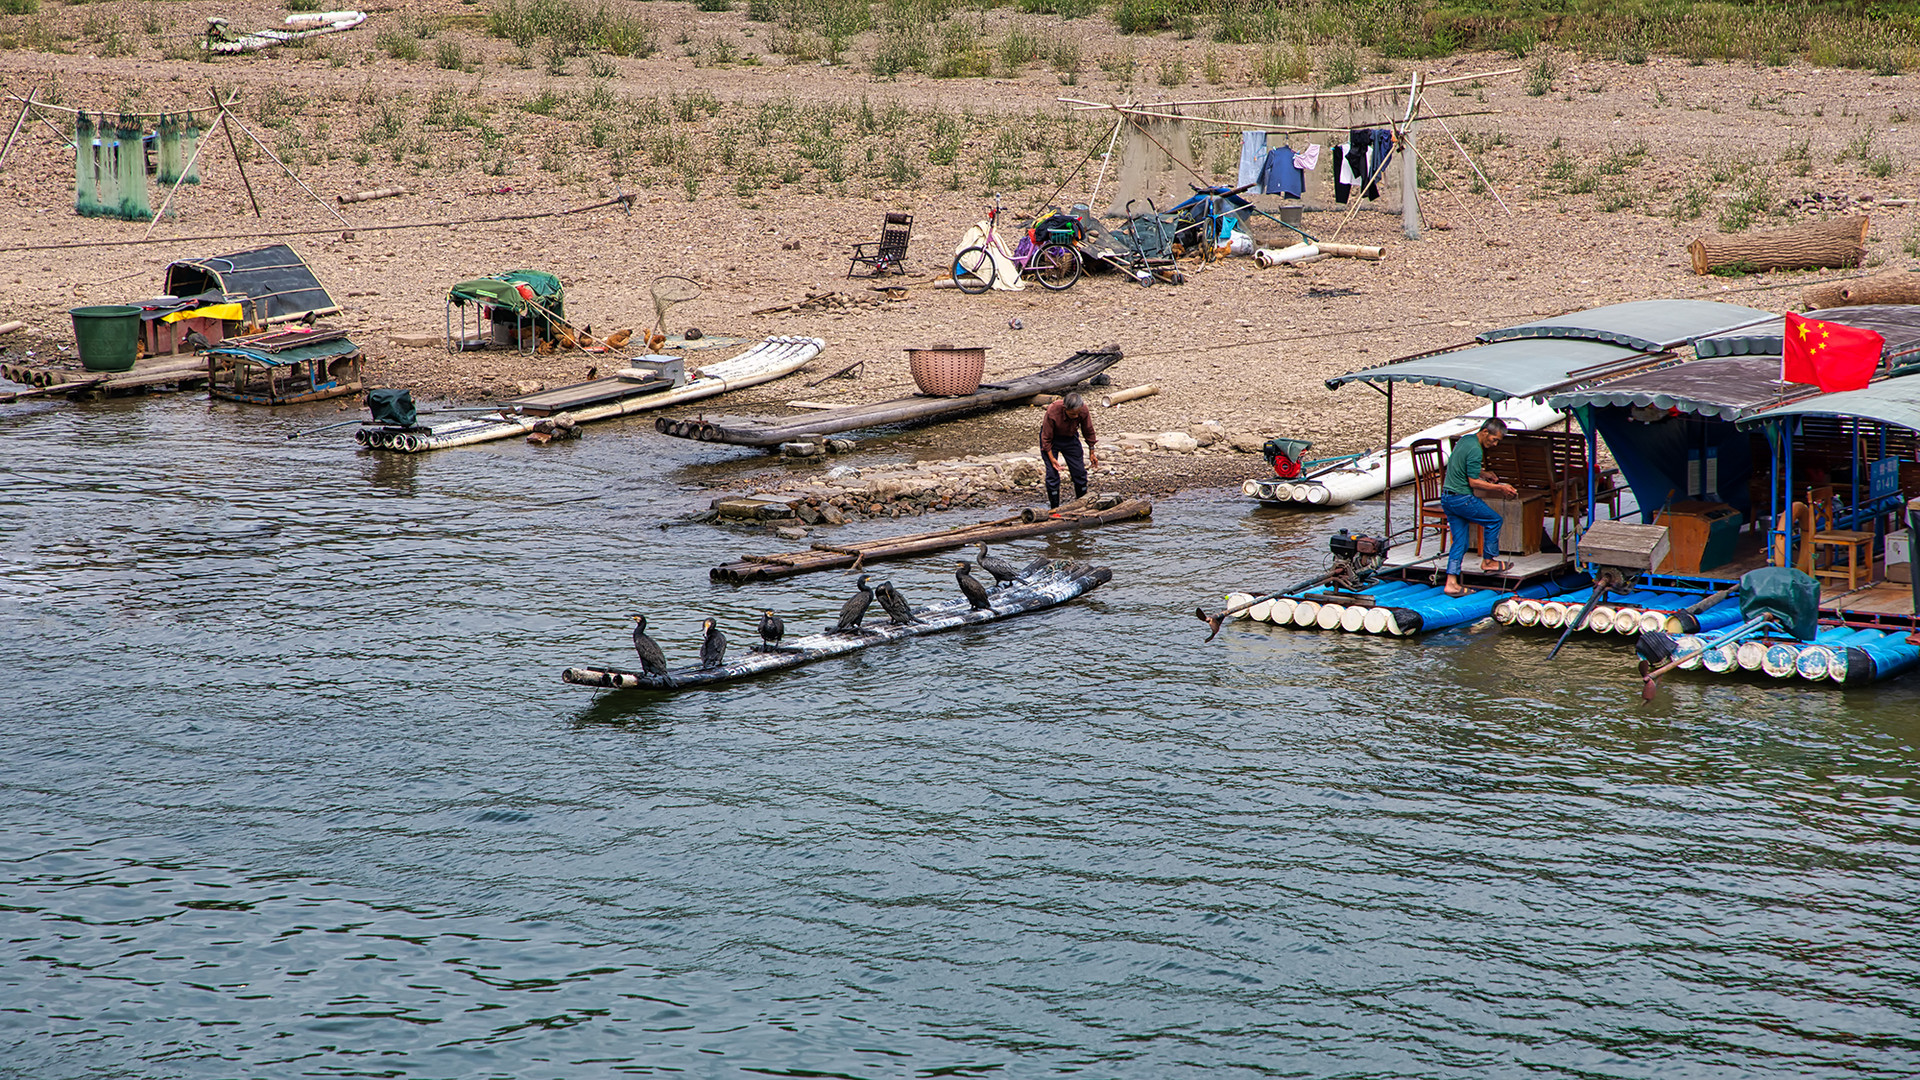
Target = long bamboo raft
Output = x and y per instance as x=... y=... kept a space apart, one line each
x=1043 y=585
x=749 y=431
x=47 y=380
x=823 y=556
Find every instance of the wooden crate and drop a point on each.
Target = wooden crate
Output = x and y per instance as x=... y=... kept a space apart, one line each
x=1625 y=544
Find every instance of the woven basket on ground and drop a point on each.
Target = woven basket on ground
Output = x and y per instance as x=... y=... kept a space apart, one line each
x=945 y=371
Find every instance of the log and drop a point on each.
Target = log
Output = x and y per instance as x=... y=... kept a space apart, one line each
x=1837 y=242
x=1132 y=393
x=376 y=193
x=1892 y=287
x=1352 y=251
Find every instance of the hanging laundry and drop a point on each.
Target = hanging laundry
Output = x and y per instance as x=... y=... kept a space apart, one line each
x=1359 y=143
x=1306 y=159
x=1280 y=176
x=1342 y=173
x=1377 y=159
x=1253 y=154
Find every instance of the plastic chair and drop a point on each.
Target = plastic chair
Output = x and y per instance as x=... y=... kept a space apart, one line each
x=1429 y=471
x=1855 y=544
x=887 y=255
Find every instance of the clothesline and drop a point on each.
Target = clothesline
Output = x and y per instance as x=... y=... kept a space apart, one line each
x=115 y=112
x=1291 y=130
x=1319 y=95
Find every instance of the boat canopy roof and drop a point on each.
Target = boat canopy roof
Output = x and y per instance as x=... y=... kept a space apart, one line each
x=1726 y=387
x=1890 y=401
x=1646 y=325
x=1505 y=369
x=285 y=355
x=1899 y=324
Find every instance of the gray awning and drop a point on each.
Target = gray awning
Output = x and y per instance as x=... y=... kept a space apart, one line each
x=1727 y=387
x=1890 y=401
x=1899 y=324
x=1505 y=369
x=1647 y=325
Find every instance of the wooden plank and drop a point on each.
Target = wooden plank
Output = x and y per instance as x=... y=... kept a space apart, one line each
x=757 y=569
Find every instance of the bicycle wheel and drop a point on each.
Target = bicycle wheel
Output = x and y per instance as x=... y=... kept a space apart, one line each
x=1057 y=266
x=973 y=270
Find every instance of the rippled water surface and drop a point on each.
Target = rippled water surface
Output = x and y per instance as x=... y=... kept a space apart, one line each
x=290 y=787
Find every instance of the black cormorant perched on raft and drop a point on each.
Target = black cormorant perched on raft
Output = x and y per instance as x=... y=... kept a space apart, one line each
x=652 y=660
x=713 y=647
x=1002 y=571
x=976 y=593
x=855 y=608
x=894 y=604
x=772 y=629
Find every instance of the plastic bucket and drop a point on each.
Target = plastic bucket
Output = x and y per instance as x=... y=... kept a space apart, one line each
x=108 y=336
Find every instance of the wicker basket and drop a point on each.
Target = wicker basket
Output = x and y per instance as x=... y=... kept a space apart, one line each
x=945 y=371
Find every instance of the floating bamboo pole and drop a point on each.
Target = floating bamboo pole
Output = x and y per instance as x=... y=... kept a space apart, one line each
x=836 y=556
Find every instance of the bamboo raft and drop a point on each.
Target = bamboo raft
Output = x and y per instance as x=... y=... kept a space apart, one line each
x=50 y=379
x=1044 y=584
x=824 y=556
x=747 y=431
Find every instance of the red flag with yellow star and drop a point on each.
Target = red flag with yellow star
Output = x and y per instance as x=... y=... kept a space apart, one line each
x=1829 y=355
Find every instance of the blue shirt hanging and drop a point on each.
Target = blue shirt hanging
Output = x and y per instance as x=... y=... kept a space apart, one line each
x=1280 y=176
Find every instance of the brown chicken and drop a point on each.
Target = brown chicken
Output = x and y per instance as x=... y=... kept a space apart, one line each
x=618 y=338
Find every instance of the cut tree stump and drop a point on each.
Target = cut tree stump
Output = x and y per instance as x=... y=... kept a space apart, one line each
x=1892 y=287
x=1837 y=242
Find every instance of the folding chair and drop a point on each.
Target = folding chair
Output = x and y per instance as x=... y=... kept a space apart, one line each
x=887 y=254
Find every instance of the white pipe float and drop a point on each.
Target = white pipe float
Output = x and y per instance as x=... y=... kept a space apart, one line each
x=1600 y=619
x=1377 y=620
x=1282 y=611
x=1688 y=646
x=1317 y=494
x=1354 y=619
x=1261 y=611
x=1305 y=612
x=1502 y=612
x=1721 y=658
x=1235 y=600
x=1251 y=489
x=1814 y=662
x=1780 y=660
x=1553 y=615
x=1329 y=616
x=1651 y=621
x=1749 y=654
x=1268 y=257
x=1626 y=621
x=1527 y=613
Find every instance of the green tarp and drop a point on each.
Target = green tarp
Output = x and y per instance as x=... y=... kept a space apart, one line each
x=503 y=291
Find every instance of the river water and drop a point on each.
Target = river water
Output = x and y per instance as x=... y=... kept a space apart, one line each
x=290 y=787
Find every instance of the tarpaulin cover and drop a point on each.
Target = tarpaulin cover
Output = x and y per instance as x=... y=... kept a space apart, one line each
x=1726 y=387
x=390 y=406
x=274 y=279
x=1504 y=369
x=319 y=350
x=1792 y=595
x=503 y=290
x=1647 y=325
x=1890 y=401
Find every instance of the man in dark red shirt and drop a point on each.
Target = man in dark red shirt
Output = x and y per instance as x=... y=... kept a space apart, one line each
x=1061 y=429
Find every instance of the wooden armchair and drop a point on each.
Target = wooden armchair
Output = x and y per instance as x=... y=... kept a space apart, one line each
x=1824 y=539
x=887 y=255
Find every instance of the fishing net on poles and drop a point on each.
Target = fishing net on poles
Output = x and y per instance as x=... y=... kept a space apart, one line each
x=668 y=290
x=1156 y=162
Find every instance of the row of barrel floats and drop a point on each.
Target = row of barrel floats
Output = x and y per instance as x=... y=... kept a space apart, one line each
x=1374 y=618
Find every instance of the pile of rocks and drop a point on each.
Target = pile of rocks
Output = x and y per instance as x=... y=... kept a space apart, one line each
x=1207 y=435
x=904 y=490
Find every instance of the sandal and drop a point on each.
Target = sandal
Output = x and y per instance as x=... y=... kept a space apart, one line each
x=1497 y=566
x=1461 y=591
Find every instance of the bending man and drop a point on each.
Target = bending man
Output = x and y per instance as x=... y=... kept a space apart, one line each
x=1061 y=427
x=1462 y=498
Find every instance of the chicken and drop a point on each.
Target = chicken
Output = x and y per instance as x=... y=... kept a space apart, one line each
x=618 y=338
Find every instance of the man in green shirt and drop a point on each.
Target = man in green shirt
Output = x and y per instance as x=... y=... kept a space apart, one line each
x=1460 y=496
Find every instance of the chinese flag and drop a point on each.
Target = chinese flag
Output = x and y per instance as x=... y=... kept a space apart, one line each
x=1829 y=355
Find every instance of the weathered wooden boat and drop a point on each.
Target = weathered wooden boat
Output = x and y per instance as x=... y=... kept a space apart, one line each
x=284 y=367
x=825 y=556
x=746 y=431
x=1364 y=477
x=1042 y=585
x=646 y=385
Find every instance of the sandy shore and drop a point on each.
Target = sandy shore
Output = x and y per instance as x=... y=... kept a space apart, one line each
x=1591 y=172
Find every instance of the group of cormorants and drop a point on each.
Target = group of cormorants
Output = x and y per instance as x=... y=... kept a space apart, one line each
x=713 y=644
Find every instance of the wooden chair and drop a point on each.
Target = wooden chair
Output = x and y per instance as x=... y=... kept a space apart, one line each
x=887 y=255
x=1429 y=472
x=1855 y=544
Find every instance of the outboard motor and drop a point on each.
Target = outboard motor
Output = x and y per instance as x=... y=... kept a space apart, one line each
x=1365 y=554
x=1285 y=455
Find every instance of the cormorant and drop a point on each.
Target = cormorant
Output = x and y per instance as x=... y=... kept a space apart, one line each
x=713 y=647
x=894 y=604
x=976 y=593
x=772 y=629
x=1001 y=571
x=652 y=660
x=855 y=608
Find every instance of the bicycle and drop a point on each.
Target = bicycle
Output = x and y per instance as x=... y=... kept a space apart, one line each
x=1051 y=259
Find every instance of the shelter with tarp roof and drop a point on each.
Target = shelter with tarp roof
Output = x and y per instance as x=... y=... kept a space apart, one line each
x=517 y=309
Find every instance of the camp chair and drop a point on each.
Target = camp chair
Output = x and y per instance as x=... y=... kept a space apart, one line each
x=887 y=254
x=1429 y=469
x=1855 y=544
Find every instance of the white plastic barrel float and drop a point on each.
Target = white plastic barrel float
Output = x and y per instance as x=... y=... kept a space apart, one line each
x=1305 y=612
x=1687 y=647
x=1626 y=621
x=1261 y=611
x=1527 y=612
x=1749 y=653
x=1651 y=621
x=1282 y=612
x=1354 y=619
x=1553 y=614
x=1814 y=662
x=1329 y=616
x=1377 y=620
x=1780 y=660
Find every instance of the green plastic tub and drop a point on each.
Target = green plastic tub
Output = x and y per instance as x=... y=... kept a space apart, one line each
x=108 y=336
